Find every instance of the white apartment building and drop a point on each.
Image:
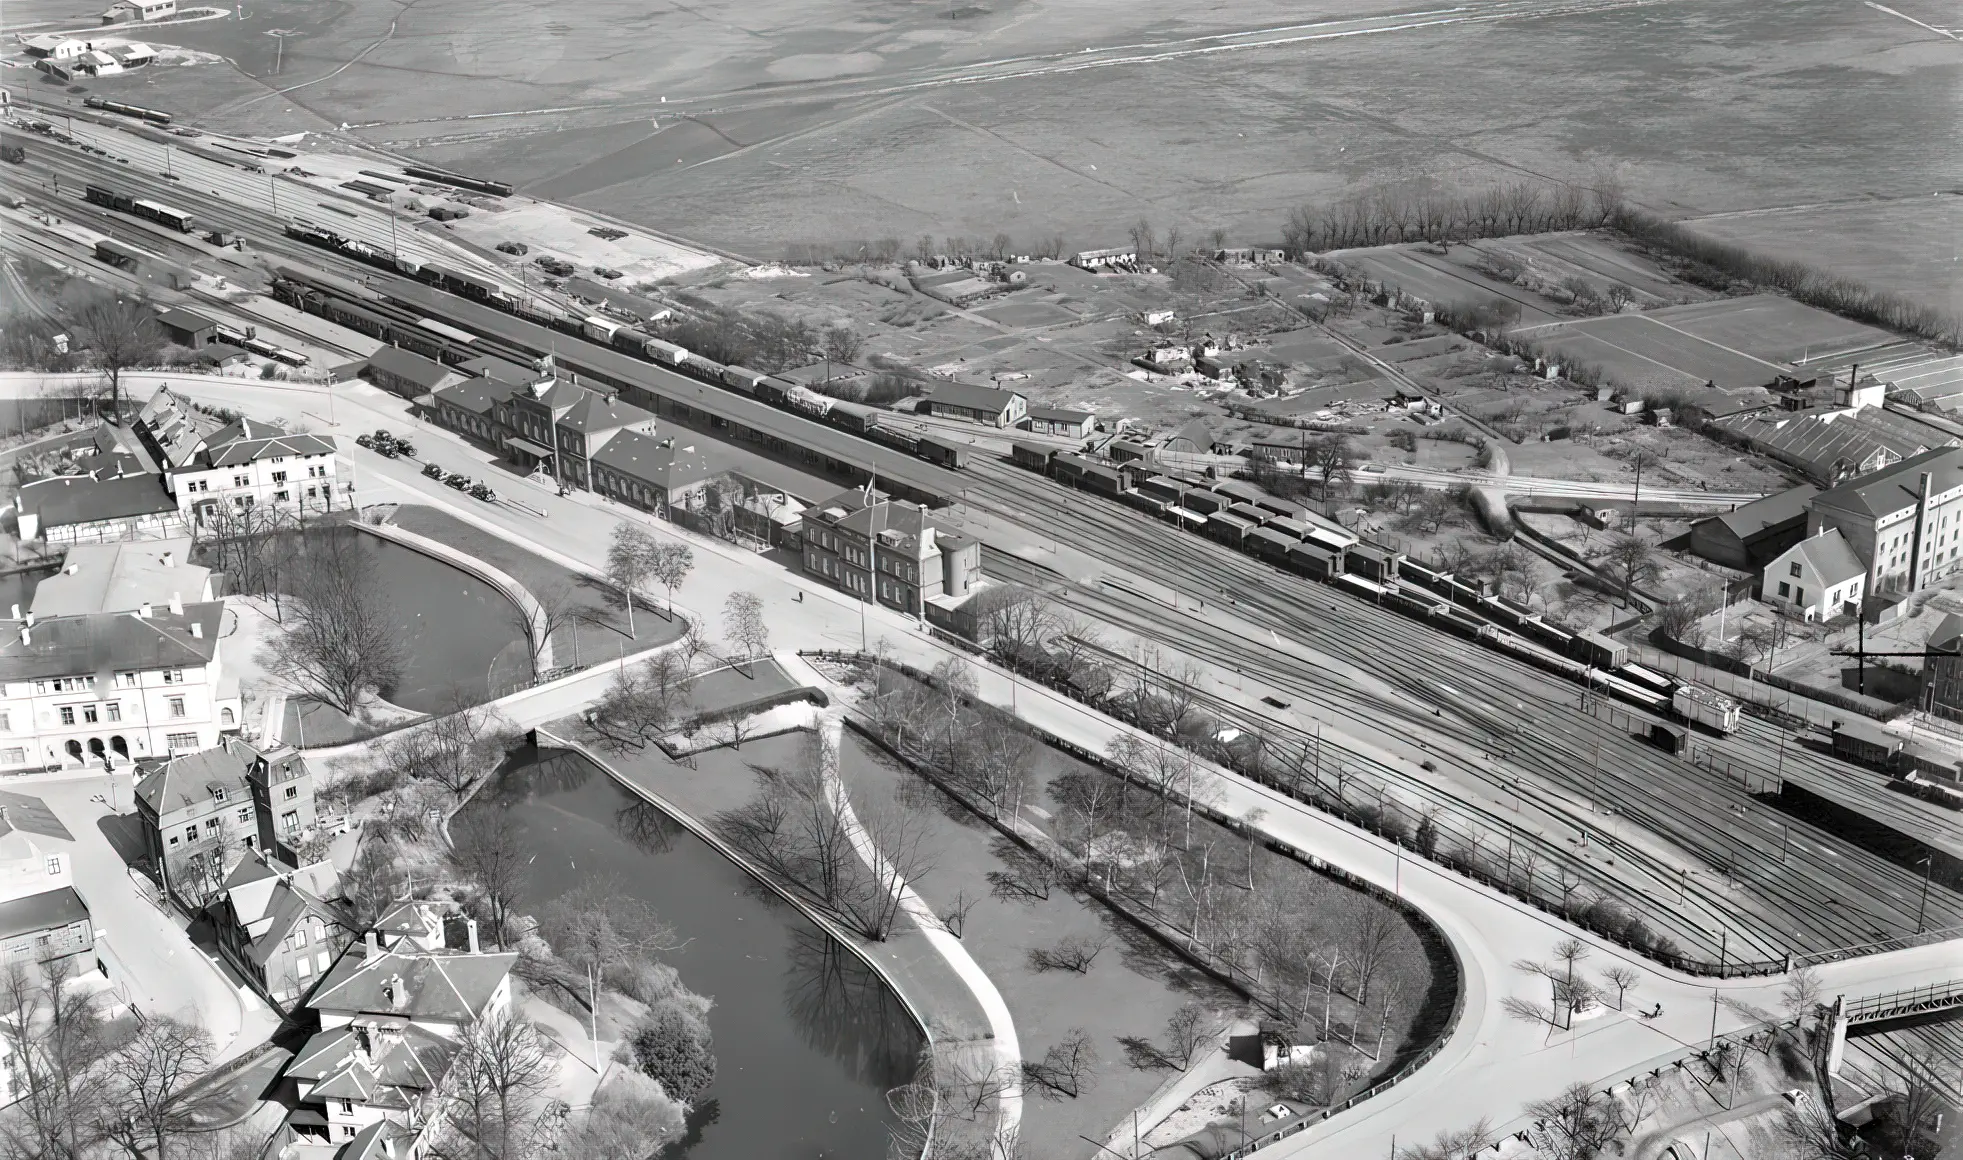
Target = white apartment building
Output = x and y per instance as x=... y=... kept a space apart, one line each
x=112 y=687
x=247 y=464
x=1905 y=522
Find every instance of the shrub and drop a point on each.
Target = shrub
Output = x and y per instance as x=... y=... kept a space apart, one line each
x=673 y=1047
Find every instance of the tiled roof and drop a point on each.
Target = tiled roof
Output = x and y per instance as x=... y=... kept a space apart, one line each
x=1755 y=517
x=107 y=642
x=78 y=499
x=479 y=396
x=247 y=441
x=169 y=784
x=24 y=814
x=44 y=911
x=452 y=986
x=120 y=576
x=1829 y=557
x=658 y=461
x=407 y=365
x=598 y=412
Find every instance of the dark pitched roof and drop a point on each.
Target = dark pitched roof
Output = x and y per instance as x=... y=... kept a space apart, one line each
x=169 y=784
x=1755 y=517
x=425 y=373
x=1828 y=555
x=1893 y=488
x=1059 y=415
x=598 y=412
x=509 y=373
x=78 y=499
x=247 y=441
x=478 y=396
x=20 y=813
x=448 y=985
x=971 y=397
x=44 y=911
x=105 y=642
x=170 y=428
x=175 y=318
x=657 y=461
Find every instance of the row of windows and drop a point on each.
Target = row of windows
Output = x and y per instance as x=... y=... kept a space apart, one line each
x=125 y=680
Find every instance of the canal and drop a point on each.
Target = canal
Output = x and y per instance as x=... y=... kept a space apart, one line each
x=808 y=1038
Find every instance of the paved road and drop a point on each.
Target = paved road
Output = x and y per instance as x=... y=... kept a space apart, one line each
x=152 y=961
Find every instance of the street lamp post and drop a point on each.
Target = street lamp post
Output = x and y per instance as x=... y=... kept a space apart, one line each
x=1921 y=908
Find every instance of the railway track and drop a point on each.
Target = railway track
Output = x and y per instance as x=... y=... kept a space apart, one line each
x=1763 y=898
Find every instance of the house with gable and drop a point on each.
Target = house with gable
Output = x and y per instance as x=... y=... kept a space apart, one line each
x=203 y=811
x=391 y=1022
x=279 y=927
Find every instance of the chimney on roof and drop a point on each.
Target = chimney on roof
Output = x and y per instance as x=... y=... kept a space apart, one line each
x=470 y=930
x=374 y=942
x=388 y=1147
x=26 y=635
x=72 y=569
x=143 y=612
x=30 y=618
x=16 y=612
x=168 y=558
x=197 y=629
x=177 y=604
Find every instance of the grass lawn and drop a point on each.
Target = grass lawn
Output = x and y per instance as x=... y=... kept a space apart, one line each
x=599 y=629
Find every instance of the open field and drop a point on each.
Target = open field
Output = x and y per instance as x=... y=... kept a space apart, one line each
x=1635 y=350
x=1909 y=245
x=822 y=120
x=1771 y=329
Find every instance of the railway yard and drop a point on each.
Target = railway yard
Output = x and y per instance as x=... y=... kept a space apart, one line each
x=1551 y=764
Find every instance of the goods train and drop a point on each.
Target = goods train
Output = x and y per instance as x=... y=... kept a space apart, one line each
x=151 y=115
x=1295 y=539
x=157 y=212
x=633 y=341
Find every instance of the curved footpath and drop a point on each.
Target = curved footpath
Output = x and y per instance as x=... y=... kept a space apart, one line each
x=1008 y=1050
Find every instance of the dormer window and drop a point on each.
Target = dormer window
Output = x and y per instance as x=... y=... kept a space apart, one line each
x=218 y=793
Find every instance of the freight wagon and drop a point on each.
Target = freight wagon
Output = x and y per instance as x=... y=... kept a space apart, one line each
x=1702 y=706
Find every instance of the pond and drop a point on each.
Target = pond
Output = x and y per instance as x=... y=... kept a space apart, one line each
x=462 y=634
x=808 y=1038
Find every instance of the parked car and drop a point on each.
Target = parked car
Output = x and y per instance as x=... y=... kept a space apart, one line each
x=384 y=449
x=404 y=447
x=459 y=481
x=483 y=492
x=364 y=440
x=607 y=272
x=518 y=248
x=433 y=471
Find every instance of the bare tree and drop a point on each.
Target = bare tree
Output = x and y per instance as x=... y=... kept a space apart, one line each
x=150 y=1073
x=558 y=608
x=1074 y=952
x=1631 y=562
x=121 y=334
x=643 y=702
x=1189 y=1029
x=1624 y=980
x=1577 y=1124
x=345 y=637
x=1334 y=459
x=795 y=830
x=842 y=345
x=454 y=749
x=56 y=1042
x=670 y=563
x=1372 y=930
x=743 y=624
x=1143 y=240
x=1463 y=1144
x=1067 y=1069
x=630 y=561
x=954 y=916
x=503 y=1065
x=1802 y=993
x=486 y=854
x=631 y=1118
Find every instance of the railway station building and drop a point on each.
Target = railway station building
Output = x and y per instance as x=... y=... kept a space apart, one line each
x=991 y=406
x=862 y=543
